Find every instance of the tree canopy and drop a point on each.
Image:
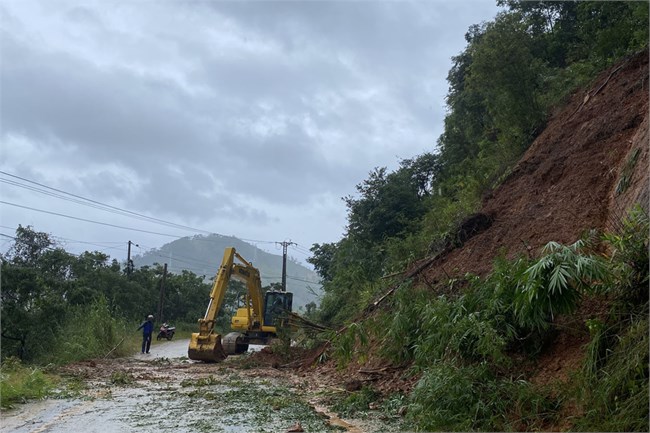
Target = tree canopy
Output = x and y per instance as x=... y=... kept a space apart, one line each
x=514 y=70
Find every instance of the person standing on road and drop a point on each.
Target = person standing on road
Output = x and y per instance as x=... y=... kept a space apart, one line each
x=147 y=330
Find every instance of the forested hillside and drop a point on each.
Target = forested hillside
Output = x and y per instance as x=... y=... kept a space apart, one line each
x=515 y=72
x=202 y=255
x=500 y=282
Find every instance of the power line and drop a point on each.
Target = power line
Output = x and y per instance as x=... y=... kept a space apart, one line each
x=105 y=207
x=96 y=243
x=291 y=277
x=94 y=203
x=63 y=195
x=89 y=221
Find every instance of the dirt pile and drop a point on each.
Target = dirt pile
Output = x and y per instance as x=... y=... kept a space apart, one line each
x=584 y=171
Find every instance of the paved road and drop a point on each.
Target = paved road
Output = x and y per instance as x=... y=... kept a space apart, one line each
x=156 y=401
x=175 y=349
x=166 y=349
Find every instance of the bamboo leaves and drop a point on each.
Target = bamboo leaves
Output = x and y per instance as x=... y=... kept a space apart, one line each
x=556 y=282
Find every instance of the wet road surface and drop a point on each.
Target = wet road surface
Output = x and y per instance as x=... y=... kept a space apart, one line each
x=163 y=391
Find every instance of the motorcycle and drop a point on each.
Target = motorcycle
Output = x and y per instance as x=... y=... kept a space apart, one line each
x=166 y=331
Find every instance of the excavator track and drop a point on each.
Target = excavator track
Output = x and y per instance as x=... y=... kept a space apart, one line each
x=234 y=343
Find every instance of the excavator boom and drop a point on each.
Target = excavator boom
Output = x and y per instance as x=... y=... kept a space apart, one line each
x=206 y=344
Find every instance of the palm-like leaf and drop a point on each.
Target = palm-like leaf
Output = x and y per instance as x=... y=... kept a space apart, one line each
x=555 y=283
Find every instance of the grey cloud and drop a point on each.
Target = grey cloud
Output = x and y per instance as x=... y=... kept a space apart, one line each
x=226 y=107
x=110 y=111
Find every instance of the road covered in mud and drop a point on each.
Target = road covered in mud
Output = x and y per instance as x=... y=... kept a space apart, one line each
x=165 y=392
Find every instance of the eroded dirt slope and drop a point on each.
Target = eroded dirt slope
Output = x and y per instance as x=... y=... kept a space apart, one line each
x=584 y=171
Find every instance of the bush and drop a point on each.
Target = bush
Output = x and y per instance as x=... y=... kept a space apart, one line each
x=91 y=332
x=556 y=282
x=19 y=383
x=615 y=382
x=629 y=259
x=467 y=398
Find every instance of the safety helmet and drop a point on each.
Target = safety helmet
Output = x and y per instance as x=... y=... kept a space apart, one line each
x=149 y=316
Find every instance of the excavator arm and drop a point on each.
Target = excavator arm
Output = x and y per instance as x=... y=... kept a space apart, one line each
x=206 y=344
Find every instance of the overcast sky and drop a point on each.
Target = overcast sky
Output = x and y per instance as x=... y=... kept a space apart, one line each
x=244 y=118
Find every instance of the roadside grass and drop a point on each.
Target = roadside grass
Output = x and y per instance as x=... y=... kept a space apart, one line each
x=91 y=332
x=19 y=383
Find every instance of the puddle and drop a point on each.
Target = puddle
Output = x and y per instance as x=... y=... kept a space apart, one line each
x=334 y=420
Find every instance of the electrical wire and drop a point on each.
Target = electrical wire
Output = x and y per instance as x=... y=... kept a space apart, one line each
x=89 y=221
x=93 y=203
x=102 y=206
x=63 y=195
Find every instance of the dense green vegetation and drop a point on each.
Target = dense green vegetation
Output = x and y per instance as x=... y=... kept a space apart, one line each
x=471 y=349
x=58 y=307
x=513 y=73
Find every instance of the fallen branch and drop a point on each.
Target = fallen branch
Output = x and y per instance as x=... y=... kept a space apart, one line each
x=371 y=307
x=111 y=351
x=379 y=370
x=607 y=80
x=588 y=96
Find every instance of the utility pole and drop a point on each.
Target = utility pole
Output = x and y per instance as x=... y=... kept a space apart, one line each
x=285 y=244
x=162 y=294
x=129 y=262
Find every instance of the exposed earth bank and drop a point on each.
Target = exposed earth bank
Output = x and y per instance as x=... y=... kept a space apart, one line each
x=587 y=167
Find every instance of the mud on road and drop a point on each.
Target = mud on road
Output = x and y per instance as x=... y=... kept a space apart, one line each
x=165 y=392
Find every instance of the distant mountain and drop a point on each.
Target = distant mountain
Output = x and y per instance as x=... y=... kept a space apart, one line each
x=202 y=255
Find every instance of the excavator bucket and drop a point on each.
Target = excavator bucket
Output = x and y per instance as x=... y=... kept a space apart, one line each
x=206 y=348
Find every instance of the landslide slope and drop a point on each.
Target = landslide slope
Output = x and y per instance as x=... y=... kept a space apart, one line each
x=584 y=171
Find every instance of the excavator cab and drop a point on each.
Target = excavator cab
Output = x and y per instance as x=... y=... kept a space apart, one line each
x=276 y=305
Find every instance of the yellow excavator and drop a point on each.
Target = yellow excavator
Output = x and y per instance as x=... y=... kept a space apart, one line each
x=256 y=322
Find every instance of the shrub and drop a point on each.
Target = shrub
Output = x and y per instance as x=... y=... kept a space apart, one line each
x=629 y=258
x=466 y=398
x=615 y=382
x=91 y=332
x=555 y=283
x=19 y=383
